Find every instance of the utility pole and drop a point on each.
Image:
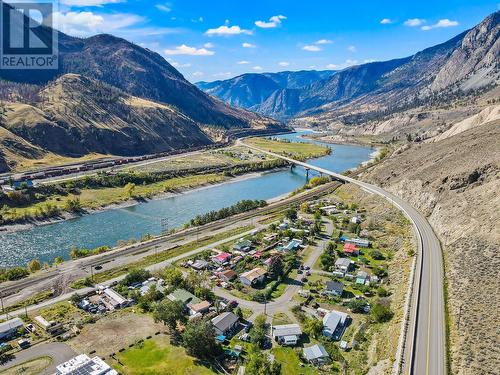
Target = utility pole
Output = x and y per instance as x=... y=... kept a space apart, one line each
x=164 y=226
x=265 y=305
x=91 y=272
x=1 y=300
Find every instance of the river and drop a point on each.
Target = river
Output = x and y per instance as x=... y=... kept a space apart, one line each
x=108 y=227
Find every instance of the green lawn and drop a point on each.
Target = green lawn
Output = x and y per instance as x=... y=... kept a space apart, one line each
x=290 y=363
x=157 y=356
x=281 y=318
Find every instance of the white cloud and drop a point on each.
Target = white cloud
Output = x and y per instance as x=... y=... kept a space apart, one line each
x=413 y=22
x=167 y=7
x=89 y=3
x=324 y=41
x=311 y=48
x=440 y=24
x=385 y=21
x=243 y=62
x=248 y=45
x=90 y=23
x=197 y=74
x=228 y=30
x=186 y=50
x=284 y=63
x=257 y=67
x=209 y=45
x=179 y=65
x=273 y=22
x=312 y=66
x=222 y=74
x=332 y=66
x=350 y=62
x=351 y=49
x=366 y=61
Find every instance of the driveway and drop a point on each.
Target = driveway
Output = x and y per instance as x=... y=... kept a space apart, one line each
x=59 y=352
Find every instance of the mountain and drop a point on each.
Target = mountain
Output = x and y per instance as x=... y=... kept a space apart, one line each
x=264 y=92
x=467 y=62
x=151 y=106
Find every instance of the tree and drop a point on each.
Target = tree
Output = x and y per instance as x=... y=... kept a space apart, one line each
x=377 y=255
x=314 y=327
x=357 y=305
x=34 y=265
x=137 y=275
x=58 y=260
x=169 y=313
x=129 y=189
x=291 y=214
x=276 y=267
x=259 y=331
x=149 y=298
x=199 y=340
x=304 y=207
x=381 y=313
x=173 y=277
x=258 y=363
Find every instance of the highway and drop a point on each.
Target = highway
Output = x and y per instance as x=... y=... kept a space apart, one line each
x=423 y=348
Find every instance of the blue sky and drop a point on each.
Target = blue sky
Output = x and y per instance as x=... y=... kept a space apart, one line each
x=209 y=40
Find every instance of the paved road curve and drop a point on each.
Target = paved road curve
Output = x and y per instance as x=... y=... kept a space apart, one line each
x=425 y=346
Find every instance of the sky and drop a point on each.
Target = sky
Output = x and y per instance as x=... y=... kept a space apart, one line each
x=218 y=39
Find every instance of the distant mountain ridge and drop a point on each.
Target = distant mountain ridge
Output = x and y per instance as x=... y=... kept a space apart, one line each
x=154 y=108
x=469 y=61
x=253 y=90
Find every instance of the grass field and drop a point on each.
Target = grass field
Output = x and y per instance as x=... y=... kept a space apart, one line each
x=33 y=367
x=157 y=356
x=295 y=149
x=290 y=363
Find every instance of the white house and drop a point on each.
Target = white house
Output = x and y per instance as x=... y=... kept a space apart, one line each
x=316 y=355
x=286 y=334
x=253 y=277
x=334 y=324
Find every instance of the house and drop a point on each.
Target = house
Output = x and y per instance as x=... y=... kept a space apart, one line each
x=283 y=226
x=227 y=275
x=199 y=308
x=329 y=210
x=253 y=277
x=362 y=278
x=184 y=296
x=84 y=365
x=115 y=300
x=243 y=246
x=152 y=282
x=343 y=264
x=293 y=245
x=350 y=249
x=221 y=258
x=334 y=324
x=361 y=242
x=225 y=323
x=316 y=355
x=334 y=288
x=51 y=327
x=270 y=238
x=10 y=328
x=356 y=220
x=199 y=265
x=286 y=334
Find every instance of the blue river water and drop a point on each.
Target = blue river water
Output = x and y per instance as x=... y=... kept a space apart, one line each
x=108 y=227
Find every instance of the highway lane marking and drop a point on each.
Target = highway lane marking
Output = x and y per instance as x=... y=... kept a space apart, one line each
x=429 y=318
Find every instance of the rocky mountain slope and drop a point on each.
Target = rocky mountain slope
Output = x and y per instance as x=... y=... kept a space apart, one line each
x=455 y=182
x=117 y=98
x=270 y=93
x=467 y=62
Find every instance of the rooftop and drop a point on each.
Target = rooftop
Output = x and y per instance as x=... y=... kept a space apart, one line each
x=11 y=324
x=225 y=321
x=84 y=365
x=253 y=274
x=315 y=352
x=286 y=330
x=184 y=296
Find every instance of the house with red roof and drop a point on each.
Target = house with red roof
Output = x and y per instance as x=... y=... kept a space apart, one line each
x=221 y=258
x=350 y=249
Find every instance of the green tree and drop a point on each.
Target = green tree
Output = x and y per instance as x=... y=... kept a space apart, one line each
x=313 y=327
x=129 y=189
x=34 y=265
x=173 y=277
x=58 y=260
x=137 y=275
x=259 y=331
x=199 y=340
x=291 y=214
x=357 y=305
x=258 y=363
x=381 y=313
x=169 y=313
x=276 y=267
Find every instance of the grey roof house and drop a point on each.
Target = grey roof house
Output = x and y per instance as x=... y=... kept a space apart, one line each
x=316 y=355
x=334 y=288
x=225 y=323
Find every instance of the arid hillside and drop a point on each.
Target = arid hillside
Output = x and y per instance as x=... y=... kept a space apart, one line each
x=455 y=182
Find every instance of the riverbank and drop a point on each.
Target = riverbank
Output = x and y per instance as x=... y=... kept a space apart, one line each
x=11 y=228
